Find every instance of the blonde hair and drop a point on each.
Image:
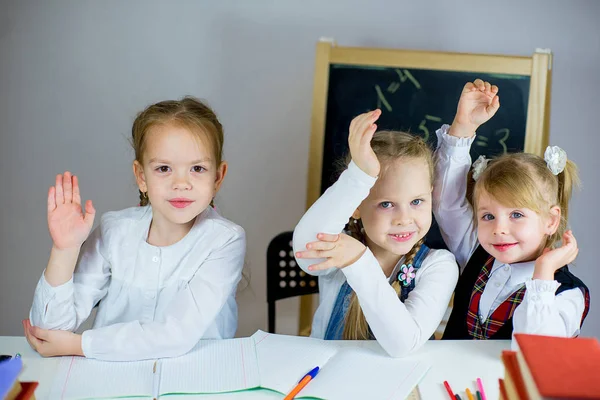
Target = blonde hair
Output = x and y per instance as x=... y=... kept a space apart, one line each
x=524 y=180
x=388 y=146
x=188 y=112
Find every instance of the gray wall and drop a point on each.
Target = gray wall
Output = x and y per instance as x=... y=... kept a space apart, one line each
x=74 y=73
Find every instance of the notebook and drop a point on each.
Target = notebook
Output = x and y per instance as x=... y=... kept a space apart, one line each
x=557 y=367
x=357 y=372
x=213 y=366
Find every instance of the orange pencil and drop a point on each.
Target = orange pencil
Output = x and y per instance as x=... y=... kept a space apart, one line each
x=470 y=395
x=303 y=382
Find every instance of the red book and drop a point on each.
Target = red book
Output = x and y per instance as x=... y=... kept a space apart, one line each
x=513 y=380
x=27 y=391
x=503 y=395
x=559 y=368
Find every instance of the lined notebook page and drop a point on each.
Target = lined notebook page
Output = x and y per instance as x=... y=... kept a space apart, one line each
x=81 y=378
x=363 y=373
x=284 y=360
x=212 y=366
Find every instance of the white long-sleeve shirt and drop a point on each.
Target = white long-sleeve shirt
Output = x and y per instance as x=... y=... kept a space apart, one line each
x=541 y=311
x=154 y=301
x=399 y=327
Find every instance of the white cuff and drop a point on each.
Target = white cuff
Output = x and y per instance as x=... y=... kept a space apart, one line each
x=59 y=293
x=452 y=145
x=365 y=268
x=86 y=344
x=359 y=175
x=541 y=291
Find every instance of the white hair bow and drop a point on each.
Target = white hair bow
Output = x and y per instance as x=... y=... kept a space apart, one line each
x=556 y=159
x=479 y=166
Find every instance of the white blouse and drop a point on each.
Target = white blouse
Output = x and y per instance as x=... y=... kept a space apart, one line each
x=541 y=311
x=399 y=327
x=153 y=301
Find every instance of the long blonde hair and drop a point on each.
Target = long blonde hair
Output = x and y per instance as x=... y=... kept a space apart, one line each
x=189 y=112
x=388 y=146
x=524 y=180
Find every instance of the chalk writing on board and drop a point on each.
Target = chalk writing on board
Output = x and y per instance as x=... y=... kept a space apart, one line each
x=423 y=127
x=501 y=135
x=403 y=76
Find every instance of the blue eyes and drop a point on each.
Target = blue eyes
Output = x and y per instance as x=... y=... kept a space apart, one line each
x=514 y=215
x=388 y=204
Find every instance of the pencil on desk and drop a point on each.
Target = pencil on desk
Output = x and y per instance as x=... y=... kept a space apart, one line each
x=449 y=390
x=478 y=395
x=458 y=397
x=469 y=394
x=480 y=386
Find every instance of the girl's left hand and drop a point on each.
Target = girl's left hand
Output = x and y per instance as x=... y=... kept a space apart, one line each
x=340 y=251
x=51 y=343
x=551 y=260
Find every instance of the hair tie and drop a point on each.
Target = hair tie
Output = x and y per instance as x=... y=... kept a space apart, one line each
x=556 y=159
x=479 y=166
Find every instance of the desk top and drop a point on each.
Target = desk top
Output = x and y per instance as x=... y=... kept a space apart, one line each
x=460 y=362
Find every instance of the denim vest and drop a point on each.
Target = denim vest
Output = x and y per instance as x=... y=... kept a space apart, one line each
x=335 y=327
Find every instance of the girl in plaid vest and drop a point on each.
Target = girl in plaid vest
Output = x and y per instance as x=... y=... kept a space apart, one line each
x=378 y=280
x=514 y=275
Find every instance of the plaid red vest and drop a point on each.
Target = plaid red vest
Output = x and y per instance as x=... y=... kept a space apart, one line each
x=464 y=322
x=485 y=329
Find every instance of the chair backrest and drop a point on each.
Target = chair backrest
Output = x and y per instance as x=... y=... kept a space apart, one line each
x=284 y=277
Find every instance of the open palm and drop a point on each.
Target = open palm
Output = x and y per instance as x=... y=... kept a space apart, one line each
x=478 y=103
x=69 y=226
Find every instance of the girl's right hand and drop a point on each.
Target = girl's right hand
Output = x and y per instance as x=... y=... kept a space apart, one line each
x=478 y=103
x=362 y=129
x=68 y=225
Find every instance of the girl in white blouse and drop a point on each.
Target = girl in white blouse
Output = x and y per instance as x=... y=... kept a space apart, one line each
x=514 y=278
x=379 y=281
x=163 y=275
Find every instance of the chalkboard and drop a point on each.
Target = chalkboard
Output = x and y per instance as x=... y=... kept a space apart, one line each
x=417 y=92
x=418 y=101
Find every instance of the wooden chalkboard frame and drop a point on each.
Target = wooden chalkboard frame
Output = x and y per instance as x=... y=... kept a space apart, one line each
x=537 y=67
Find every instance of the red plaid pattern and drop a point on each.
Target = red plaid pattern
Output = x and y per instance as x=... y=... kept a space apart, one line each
x=486 y=329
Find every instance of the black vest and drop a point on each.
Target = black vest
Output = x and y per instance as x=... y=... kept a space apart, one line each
x=457 y=324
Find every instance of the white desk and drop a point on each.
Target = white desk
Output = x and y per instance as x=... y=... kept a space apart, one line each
x=458 y=362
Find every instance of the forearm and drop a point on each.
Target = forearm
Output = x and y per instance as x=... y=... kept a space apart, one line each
x=61 y=265
x=331 y=212
x=401 y=328
x=543 y=313
x=452 y=211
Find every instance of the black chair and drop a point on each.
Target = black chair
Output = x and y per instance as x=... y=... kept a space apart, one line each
x=284 y=277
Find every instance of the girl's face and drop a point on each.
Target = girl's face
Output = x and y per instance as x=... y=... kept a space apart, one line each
x=513 y=235
x=179 y=173
x=397 y=212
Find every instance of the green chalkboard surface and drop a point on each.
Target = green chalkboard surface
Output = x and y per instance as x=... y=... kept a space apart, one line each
x=418 y=101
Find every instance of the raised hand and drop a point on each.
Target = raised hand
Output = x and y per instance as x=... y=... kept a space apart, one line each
x=362 y=129
x=553 y=259
x=340 y=251
x=478 y=103
x=69 y=226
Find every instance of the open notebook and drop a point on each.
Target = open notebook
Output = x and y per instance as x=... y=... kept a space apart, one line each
x=275 y=362
x=346 y=372
x=213 y=366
